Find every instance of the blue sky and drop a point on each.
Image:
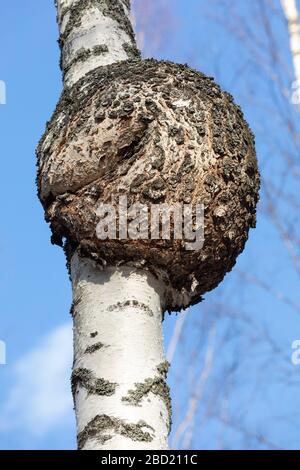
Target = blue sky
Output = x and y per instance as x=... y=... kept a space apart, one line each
x=35 y=399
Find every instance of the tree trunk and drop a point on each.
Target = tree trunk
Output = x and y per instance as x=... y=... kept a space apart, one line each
x=118 y=382
x=161 y=134
x=292 y=16
x=93 y=33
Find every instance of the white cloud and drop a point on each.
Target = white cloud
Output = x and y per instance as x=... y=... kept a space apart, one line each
x=40 y=397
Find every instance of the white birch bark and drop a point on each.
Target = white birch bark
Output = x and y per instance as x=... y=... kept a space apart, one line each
x=120 y=395
x=292 y=15
x=93 y=33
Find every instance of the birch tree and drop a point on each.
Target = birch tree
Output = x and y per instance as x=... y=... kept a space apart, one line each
x=293 y=19
x=157 y=134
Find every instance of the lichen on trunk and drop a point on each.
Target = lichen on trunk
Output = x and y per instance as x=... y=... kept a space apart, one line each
x=98 y=430
x=156 y=385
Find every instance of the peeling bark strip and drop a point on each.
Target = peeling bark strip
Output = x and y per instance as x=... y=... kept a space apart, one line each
x=93 y=385
x=94 y=33
x=99 y=427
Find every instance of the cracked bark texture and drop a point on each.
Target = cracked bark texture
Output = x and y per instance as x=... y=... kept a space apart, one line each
x=159 y=133
x=156 y=132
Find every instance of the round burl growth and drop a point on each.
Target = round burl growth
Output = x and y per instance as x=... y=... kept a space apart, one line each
x=156 y=132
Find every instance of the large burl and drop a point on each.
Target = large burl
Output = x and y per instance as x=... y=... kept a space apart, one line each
x=157 y=132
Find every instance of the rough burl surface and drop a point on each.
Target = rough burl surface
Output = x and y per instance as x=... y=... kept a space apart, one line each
x=156 y=132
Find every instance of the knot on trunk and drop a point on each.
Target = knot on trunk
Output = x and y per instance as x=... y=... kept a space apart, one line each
x=158 y=133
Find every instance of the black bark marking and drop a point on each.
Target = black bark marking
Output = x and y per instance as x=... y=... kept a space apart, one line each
x=99 y=428
x=75 y=303
x=156 y=385
x=82 y=55
x=132 y=303
x=93 y=385
x=131 y=50
x=112 y=8
x=94 y=347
